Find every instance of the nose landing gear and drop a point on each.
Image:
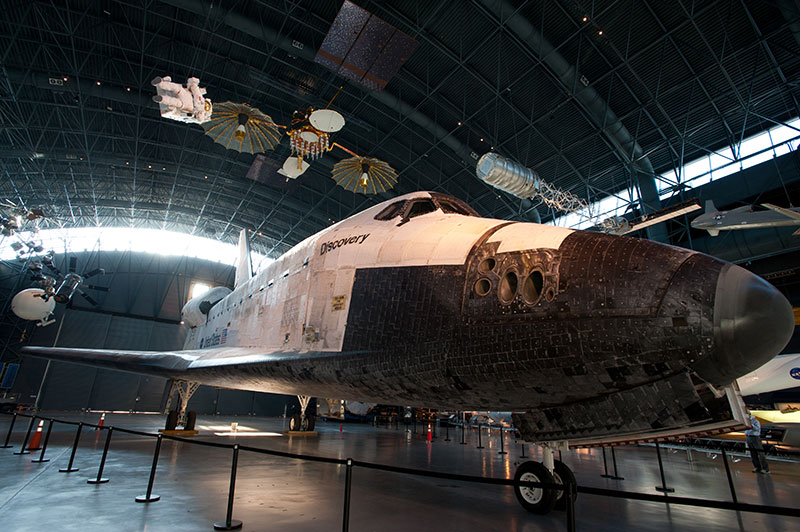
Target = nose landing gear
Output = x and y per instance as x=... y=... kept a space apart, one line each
x=304 y=421
x=542 y=500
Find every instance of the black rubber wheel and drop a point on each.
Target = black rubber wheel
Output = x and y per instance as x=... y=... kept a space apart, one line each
x=536 y=500
x=563 y=475
x=172 y=420
x=294 y=422
x=191 y=420
x=308 y=422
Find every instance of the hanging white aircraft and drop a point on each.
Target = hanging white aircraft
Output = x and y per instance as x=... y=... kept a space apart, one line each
x=780 y=373
x=592 y=338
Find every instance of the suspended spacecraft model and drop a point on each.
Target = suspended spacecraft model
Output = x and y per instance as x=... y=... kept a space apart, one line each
x=246 y=129
x=364 y=174
x=243 y=128
x=182 y=103
x=38 y=304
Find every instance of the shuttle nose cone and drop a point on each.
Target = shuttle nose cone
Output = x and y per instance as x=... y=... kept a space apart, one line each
x=753 y=322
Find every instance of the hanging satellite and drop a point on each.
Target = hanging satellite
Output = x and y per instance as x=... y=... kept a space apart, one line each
x=38 y=303
x=33 y=304
x=293 y=167
x=365 y=175
x=237 y=126
x=310 y=137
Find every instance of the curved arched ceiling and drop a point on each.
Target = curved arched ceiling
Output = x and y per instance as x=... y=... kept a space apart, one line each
x=593 y=105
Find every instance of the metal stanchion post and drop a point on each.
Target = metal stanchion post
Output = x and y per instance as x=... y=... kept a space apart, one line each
x=614 y=461
x=44 y=445
x=462 y=434
x=730 y=478
x=149 y=497
x=480 y=444
x=523 y=450
x=22 y=449
x=100 y=479
x=10 y=428
x=663 y=487
x=502 y=442
x=569 y=492
x=69 y=468
x=347 y=480
x=447 y=431
x=605 y=464
x=229 y=523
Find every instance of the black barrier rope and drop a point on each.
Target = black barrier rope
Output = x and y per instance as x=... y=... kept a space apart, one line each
x=687 y=501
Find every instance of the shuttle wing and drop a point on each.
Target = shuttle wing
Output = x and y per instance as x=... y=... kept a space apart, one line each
x=161 y=363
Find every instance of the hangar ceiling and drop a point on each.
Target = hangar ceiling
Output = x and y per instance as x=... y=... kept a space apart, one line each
x=595 y=96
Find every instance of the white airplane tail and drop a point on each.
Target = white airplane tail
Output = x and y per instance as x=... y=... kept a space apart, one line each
x=710 y=207
x=244 y=266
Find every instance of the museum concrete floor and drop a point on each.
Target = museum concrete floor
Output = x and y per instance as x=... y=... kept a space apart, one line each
x=277 y=493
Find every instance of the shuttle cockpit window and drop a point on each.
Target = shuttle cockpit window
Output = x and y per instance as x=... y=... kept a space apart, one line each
x=420 y=207
x=448 y=207
x=392 y=211
x=451 y=205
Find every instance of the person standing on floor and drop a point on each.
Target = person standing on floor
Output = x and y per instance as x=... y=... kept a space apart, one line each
x=756 y=449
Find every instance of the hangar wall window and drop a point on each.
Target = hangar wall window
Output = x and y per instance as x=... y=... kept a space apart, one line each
x=753 y=150
x=198 y=289
x=153 y=241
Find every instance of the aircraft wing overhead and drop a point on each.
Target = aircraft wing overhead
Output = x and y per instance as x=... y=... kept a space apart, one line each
x=783 y=210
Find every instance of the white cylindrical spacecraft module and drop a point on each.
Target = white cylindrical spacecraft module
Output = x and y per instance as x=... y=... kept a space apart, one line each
x=507 y=175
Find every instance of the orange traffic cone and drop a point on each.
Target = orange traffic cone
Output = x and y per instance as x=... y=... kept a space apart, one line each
x=341 y=427
x=37 y=437
x=429 y=438
x=102 y=421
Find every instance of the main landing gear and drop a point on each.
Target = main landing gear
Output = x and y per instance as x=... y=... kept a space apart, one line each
x=303 y=421
x=181 y=416
x=543 y=500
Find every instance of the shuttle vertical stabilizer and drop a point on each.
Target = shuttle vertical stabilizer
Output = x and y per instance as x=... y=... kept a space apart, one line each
x=244 y=266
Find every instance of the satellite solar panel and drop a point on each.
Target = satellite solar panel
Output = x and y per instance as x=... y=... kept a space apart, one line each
x=394 y=54
x=363 y=48
x=343 y=33
x=366 y=49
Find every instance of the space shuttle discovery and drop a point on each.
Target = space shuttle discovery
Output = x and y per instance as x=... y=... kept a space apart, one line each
x=587 y=337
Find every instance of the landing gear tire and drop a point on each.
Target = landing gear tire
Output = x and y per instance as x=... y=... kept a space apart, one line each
x=536 y=500
x=191 y=420
x=172 y=420
x=563 y=475
x=294 y=422
x=308 y=422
